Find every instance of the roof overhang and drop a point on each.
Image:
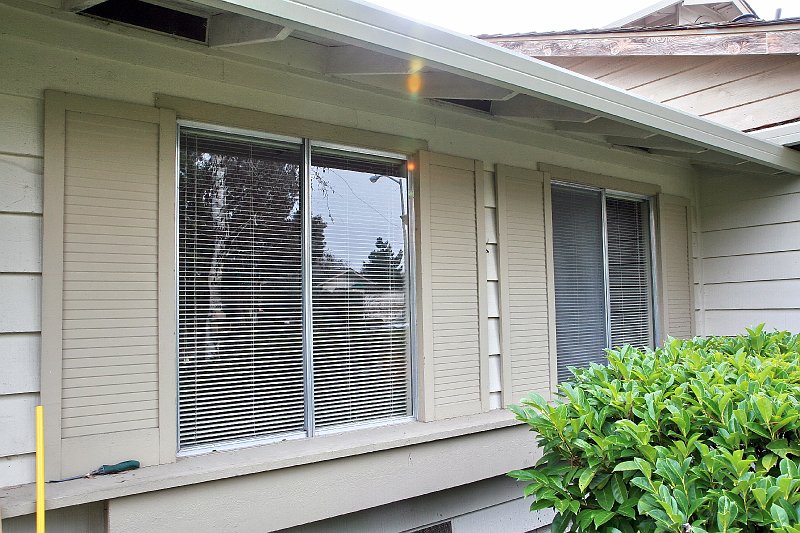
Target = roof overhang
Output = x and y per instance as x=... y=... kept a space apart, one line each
x=371 y=46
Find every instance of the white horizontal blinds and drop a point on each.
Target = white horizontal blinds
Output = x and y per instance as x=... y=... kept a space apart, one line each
x=629 y=282
x=240 y=355
x=579 y=277
x=361 y=358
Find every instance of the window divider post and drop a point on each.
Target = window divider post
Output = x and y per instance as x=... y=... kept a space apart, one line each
x=306 y=261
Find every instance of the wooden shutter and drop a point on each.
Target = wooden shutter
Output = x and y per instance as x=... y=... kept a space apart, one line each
x=526 y=283
x=452 y=316
x=676 y=266
x=108 y=300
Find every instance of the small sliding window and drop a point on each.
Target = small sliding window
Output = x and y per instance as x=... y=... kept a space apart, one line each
x=603 y=274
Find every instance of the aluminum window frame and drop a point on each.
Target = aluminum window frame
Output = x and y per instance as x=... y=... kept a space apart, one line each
x=651 y=255
x=410 y=261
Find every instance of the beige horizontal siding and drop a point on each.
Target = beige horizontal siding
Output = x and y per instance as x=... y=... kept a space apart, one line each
x=750 y=252
x=20 y=125
x=18 y=411
x=19 y=360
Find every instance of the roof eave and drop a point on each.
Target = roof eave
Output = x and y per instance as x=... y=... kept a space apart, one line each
x=360 y=23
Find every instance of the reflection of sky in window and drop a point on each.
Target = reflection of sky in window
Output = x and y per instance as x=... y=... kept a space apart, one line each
x=356 y=212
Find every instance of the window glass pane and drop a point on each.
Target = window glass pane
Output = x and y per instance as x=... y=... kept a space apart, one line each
x=240 y=360
x=629 y=282
x=360 y=288
x=579 y=277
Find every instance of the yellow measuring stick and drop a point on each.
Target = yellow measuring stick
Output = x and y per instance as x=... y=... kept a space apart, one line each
x=39 y=469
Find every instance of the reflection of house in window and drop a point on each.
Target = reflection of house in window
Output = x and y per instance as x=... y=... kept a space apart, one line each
x=345 y=280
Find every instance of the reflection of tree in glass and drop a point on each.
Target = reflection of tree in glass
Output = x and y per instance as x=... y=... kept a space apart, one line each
x=383 y=268
x=241 y=214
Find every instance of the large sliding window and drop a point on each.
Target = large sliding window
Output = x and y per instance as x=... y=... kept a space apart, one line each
x=603 y=274
x=293 y=304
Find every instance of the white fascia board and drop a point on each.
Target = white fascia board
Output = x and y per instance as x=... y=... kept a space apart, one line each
x=786 y=135
x=364 y=24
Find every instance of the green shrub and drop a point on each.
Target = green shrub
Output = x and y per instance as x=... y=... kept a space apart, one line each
x=700 y=435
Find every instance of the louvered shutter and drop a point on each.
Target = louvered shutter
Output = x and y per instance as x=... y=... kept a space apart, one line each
x=524 y=272
x=629 y=281
x=579 y=277
x=453 y=317
x=676 y=266
x=106 y=330
x=240 y=358
x=361 y=356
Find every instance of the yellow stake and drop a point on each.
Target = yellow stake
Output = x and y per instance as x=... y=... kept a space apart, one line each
x=39 y=469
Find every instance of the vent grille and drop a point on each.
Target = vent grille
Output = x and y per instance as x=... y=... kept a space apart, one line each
x=444 y=527
x=151 y=17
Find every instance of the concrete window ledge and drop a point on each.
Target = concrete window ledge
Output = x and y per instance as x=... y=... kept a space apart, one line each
x=20 y=500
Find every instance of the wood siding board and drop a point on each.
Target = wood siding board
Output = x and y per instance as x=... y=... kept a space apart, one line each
x=19 y=126
x=20 y=238
x=760 y=113
x=21 y=183
x=751 y=240
x=17 y=411
x=19 y=359
x=752 y=212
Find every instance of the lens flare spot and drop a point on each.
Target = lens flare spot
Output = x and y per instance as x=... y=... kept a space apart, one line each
x=414 y=83
x=411 y=166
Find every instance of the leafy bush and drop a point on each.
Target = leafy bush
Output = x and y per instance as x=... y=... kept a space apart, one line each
x=700 y=435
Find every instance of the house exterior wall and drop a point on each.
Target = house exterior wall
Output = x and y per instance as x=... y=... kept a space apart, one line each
x=743 y=92
x=749 y=264
x=50 y=50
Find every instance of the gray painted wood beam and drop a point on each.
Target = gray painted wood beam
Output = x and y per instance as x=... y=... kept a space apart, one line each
x=353 y=60
x=606 y=127
x=523 y=106
x=231 y=29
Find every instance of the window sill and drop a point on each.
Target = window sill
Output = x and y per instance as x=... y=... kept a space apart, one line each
x=20 y=500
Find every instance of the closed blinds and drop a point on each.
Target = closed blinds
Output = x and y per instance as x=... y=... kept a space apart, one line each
x=629 y=272
x=240 y=363
x=579 y=277
x=360 y=288
x=601 y=252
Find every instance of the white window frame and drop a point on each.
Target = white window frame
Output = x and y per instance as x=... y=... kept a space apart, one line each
x=409 y=253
